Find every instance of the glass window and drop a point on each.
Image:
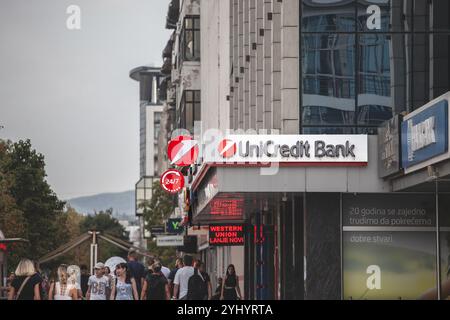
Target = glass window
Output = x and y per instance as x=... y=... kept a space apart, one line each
x=190 y=39
x=190 y=109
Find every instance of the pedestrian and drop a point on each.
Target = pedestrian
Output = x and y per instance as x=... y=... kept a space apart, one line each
x=149 y=261
x=178 y=265
x=124 y=287
x=218 y=291
x=136 y=268
x=26 y=283
x=84 y=278
x=165 y=271
x=44 y=293
x=63 y=289
x=156 y=286
x=111 y=278
x=207 y=289
x=230 y=287
x=98 y=284
x=182 y=276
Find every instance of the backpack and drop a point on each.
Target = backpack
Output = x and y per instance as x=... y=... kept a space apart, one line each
x=196 y=287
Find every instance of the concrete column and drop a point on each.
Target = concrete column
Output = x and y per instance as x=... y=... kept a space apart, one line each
x=267 y=73
x=259 y=63
x=235 y=80
x=252 y=63
x=276 y=65
x=246 y=53
x=241 y=63
x=290 y=19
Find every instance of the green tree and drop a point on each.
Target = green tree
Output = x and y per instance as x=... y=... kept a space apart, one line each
x=34 y=198
x=12 y=220
x=104 y=222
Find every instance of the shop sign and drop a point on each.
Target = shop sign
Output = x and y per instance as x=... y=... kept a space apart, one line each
x=190 y=245
x=157 y=230
x=226 y=235
x=322 y=150
x=174 y=226
x=183 y=151
x=172 y=181
x=169 y=241
x=389 y=159
x=425 y=136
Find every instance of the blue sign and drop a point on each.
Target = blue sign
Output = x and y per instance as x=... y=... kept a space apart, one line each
x=425 y=135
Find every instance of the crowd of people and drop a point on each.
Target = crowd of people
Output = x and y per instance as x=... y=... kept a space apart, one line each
x=130 y=280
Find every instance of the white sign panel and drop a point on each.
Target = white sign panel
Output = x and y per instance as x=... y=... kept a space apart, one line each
x=291 y=149
x=169 y=241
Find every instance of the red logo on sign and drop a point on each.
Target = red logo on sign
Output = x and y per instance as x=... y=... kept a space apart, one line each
x=227 y=148
x=172 y=181
x=3 y=247
x=182 y=151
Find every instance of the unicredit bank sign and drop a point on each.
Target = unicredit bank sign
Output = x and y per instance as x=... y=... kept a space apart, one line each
x=290 y=149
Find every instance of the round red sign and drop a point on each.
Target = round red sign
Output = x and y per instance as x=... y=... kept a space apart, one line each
x=182 y=151
x=172 y=181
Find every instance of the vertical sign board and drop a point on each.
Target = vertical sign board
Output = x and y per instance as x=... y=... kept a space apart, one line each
x=226 y=235
x=389 y=156
x=425 y=135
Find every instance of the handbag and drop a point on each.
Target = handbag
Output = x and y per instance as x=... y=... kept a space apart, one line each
x=22 y=286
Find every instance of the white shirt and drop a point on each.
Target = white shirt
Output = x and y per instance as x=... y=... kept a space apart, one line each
x=98 y=287
x=182 y=278
x=63 y=294
x=165 y=271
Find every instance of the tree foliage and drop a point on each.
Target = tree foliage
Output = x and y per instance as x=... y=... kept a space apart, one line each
x=156 y=211
x=104 y=222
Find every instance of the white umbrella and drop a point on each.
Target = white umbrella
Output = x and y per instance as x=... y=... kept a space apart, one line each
x=111 y=263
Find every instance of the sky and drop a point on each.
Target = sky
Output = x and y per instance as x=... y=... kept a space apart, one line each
x=69 y=91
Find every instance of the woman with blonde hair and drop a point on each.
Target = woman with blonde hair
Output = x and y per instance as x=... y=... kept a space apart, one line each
x=64 y=288
x=26 y=284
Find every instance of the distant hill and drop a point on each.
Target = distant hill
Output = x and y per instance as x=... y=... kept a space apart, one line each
x=122 y=203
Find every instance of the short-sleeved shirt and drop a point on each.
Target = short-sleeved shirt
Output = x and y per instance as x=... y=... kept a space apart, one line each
x=165 y=271
x=156 y=286
x=124 y=290
x=98 y=287
x=137 y=271
x=182 y=279
x=28 y=290
x=172 y=274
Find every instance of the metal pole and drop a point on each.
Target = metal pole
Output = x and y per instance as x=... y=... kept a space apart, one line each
x=438 y=242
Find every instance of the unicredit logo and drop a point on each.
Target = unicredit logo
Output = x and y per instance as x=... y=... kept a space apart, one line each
x=183 y=151
x=227 y=148
x=270 y=149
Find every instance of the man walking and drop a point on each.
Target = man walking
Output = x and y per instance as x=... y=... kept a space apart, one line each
x=137 y=269
x=182 y=278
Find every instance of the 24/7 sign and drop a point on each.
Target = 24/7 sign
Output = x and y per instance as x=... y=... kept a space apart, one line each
x=172 y=181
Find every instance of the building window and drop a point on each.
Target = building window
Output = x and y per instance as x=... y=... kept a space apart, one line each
x=363 y=61
x=157 y=125
x=190 y=109
x=190 y=39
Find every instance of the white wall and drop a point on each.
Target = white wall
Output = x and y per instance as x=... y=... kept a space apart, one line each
x=215 y=63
